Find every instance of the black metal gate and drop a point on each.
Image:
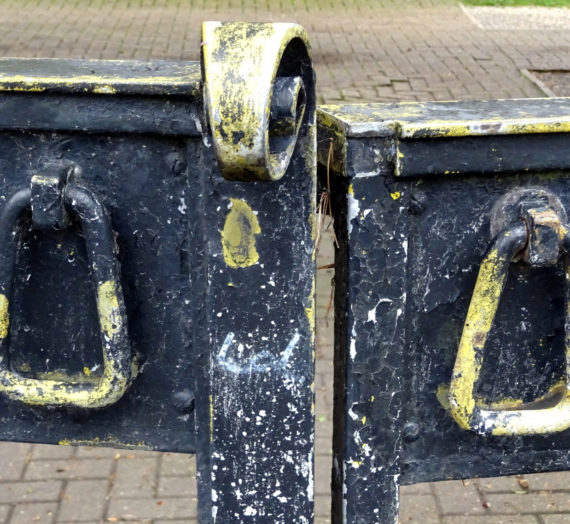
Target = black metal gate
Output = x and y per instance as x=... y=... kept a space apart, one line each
x=157 y=263
x=451 y=335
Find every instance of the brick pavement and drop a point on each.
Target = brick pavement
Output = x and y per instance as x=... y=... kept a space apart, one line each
x=364 y=50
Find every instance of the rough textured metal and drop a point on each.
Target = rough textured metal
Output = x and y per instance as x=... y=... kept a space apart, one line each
x=414 y=193
x=217 y=277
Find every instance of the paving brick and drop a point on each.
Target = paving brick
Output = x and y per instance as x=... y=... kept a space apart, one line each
x=419 y=509
x=95 y=453
x=459 y=498
x=59 y=469
x=323 y=506
x=42 y=491
x=562 y=518
x=496 y=484
x=150 y=508
x=45 y=451
x=84 y=500
x=178 y=487
x=178 y=464
x=548 y=481
x=42 y=512
x=13 y=459
x=136 y=477
x=423 y=488
x=542 y=502
x=488 y=519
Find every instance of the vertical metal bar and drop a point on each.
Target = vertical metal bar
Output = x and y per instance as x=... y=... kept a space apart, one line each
x=370 y=275
x=254 y=327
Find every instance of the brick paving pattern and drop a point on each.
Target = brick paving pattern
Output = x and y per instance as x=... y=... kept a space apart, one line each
x=364 y=50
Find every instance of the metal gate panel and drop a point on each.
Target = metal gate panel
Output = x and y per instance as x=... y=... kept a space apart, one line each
x=155 y=295
x=420 y=193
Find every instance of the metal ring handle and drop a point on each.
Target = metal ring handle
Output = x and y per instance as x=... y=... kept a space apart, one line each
x=110 y=308
x=522 y=419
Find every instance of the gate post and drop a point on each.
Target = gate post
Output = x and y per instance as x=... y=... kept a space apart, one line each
x=253 y=275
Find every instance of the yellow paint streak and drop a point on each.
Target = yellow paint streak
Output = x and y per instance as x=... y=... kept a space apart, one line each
x=4 y=316
x=105 y=90
x=491 y=126
x=363 y=420
x=479 y=320
x=350 y=189
x=395 y=195
x=108 y=309
x=310 y=311
x=238 y=235
x=92 y=83
x=108 y=442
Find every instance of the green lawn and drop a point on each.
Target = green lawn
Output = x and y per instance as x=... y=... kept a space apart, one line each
x=504 y=3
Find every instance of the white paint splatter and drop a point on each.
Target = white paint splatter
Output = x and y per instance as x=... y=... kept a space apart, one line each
x=353 y=210
x=366 y=174
x=353 y=344
x=260 y=362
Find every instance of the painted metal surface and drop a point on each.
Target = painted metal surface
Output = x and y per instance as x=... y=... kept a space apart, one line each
x=243 y=85
x=217 y=275
x=415 y=191
x=110 y=385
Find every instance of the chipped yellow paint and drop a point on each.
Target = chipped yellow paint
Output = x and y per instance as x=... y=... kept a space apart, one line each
x=25 y=367
x=105 y=90
x=238 y=235
x=87 y=371
x=478 y=323
x=240 y=62
x=310 y=311
x=108 y=309
x=505 y=403
x=109 y=442
x=442 y=395
x=36 y=392
x=400 y=154
x=107 y=84
x=57 y=389
x=372 y=398
x=508 y=416
x=4 y=316
x=357 y=463
x=414 y=119
x=490 y=126
x=363 y=420
x=350 y=189
x=395 y=195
